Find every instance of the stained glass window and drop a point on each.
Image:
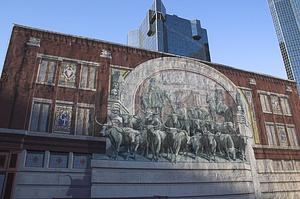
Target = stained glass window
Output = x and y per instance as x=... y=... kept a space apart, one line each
x=81 y=161
x=40 y=116
x=58 y=160
x=275 y=104
x=47 y=72
x=282 y=135
x=35 y=159
x=63 y=118
x=67 y=75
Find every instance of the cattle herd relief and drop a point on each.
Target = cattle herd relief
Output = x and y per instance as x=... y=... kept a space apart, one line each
x=178 y=116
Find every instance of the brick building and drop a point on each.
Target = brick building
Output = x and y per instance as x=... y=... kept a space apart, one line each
x=46 y=73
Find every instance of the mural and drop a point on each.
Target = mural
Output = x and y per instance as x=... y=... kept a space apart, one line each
x=116 y=80
x=177 y=115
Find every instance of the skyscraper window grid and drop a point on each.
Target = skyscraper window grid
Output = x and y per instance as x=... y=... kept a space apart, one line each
x=162 y=32
x=286 y=18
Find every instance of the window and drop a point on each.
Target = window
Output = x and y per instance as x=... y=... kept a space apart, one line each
x=271 y=134
x=58 y=160
x=13 y=160
x=88 y=77
x=85 y=121
x=81 y=161
x=3 y=160
x=67 y=75
x=66 y=71
x=35 y=159
x=282 y=135
x=63 y=118
x=2 y=180
x=292 y=136
x=265 y=103
x=275 y=104
x=40 y=116
x=46 y=72
x=285 y=106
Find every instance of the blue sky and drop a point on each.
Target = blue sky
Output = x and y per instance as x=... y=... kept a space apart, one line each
x=240 y=33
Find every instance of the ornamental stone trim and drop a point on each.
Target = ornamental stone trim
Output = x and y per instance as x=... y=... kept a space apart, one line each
x=289 y=89
x=252 y=81
x=33 y=41
x=106 y=54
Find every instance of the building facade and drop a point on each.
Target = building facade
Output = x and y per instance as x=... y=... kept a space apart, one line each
x=162 y=32
x=286 y=18
x=58 y=92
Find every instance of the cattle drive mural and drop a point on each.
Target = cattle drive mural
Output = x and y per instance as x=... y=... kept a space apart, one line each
x=178 y=115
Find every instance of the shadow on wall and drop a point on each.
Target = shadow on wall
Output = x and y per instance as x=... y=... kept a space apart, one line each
x=79 y=187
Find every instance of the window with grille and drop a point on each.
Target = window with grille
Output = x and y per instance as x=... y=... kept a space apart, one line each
x=35 y=159
x=81 y=161
x=271 y=134
x=47 y=70
x=265 y=103
x=88 y=77
x=58 y=160
x=285 y=106
x=292 y=136
x=85 y=121
x=40 y=116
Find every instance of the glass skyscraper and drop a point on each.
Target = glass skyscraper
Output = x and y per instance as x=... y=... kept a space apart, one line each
x=169 y=33
x=286 y=18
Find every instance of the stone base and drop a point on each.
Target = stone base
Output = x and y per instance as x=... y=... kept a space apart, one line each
x=117 y=179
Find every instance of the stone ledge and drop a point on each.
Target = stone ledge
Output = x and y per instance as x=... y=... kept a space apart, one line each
x=52 y=135
x=166 y=165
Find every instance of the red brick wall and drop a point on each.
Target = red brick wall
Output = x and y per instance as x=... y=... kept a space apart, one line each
x=20 y=70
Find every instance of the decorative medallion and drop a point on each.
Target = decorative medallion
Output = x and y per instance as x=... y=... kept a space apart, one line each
x=33 y=41
x=69 y=72
x=275 y=104
x=106 y=54
x=282 y=134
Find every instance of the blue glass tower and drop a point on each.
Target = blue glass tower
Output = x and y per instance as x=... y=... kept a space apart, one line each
x=160 y=31
x=286 y=18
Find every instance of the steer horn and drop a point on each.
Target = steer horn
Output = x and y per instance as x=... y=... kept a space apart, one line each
x=100 y=124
